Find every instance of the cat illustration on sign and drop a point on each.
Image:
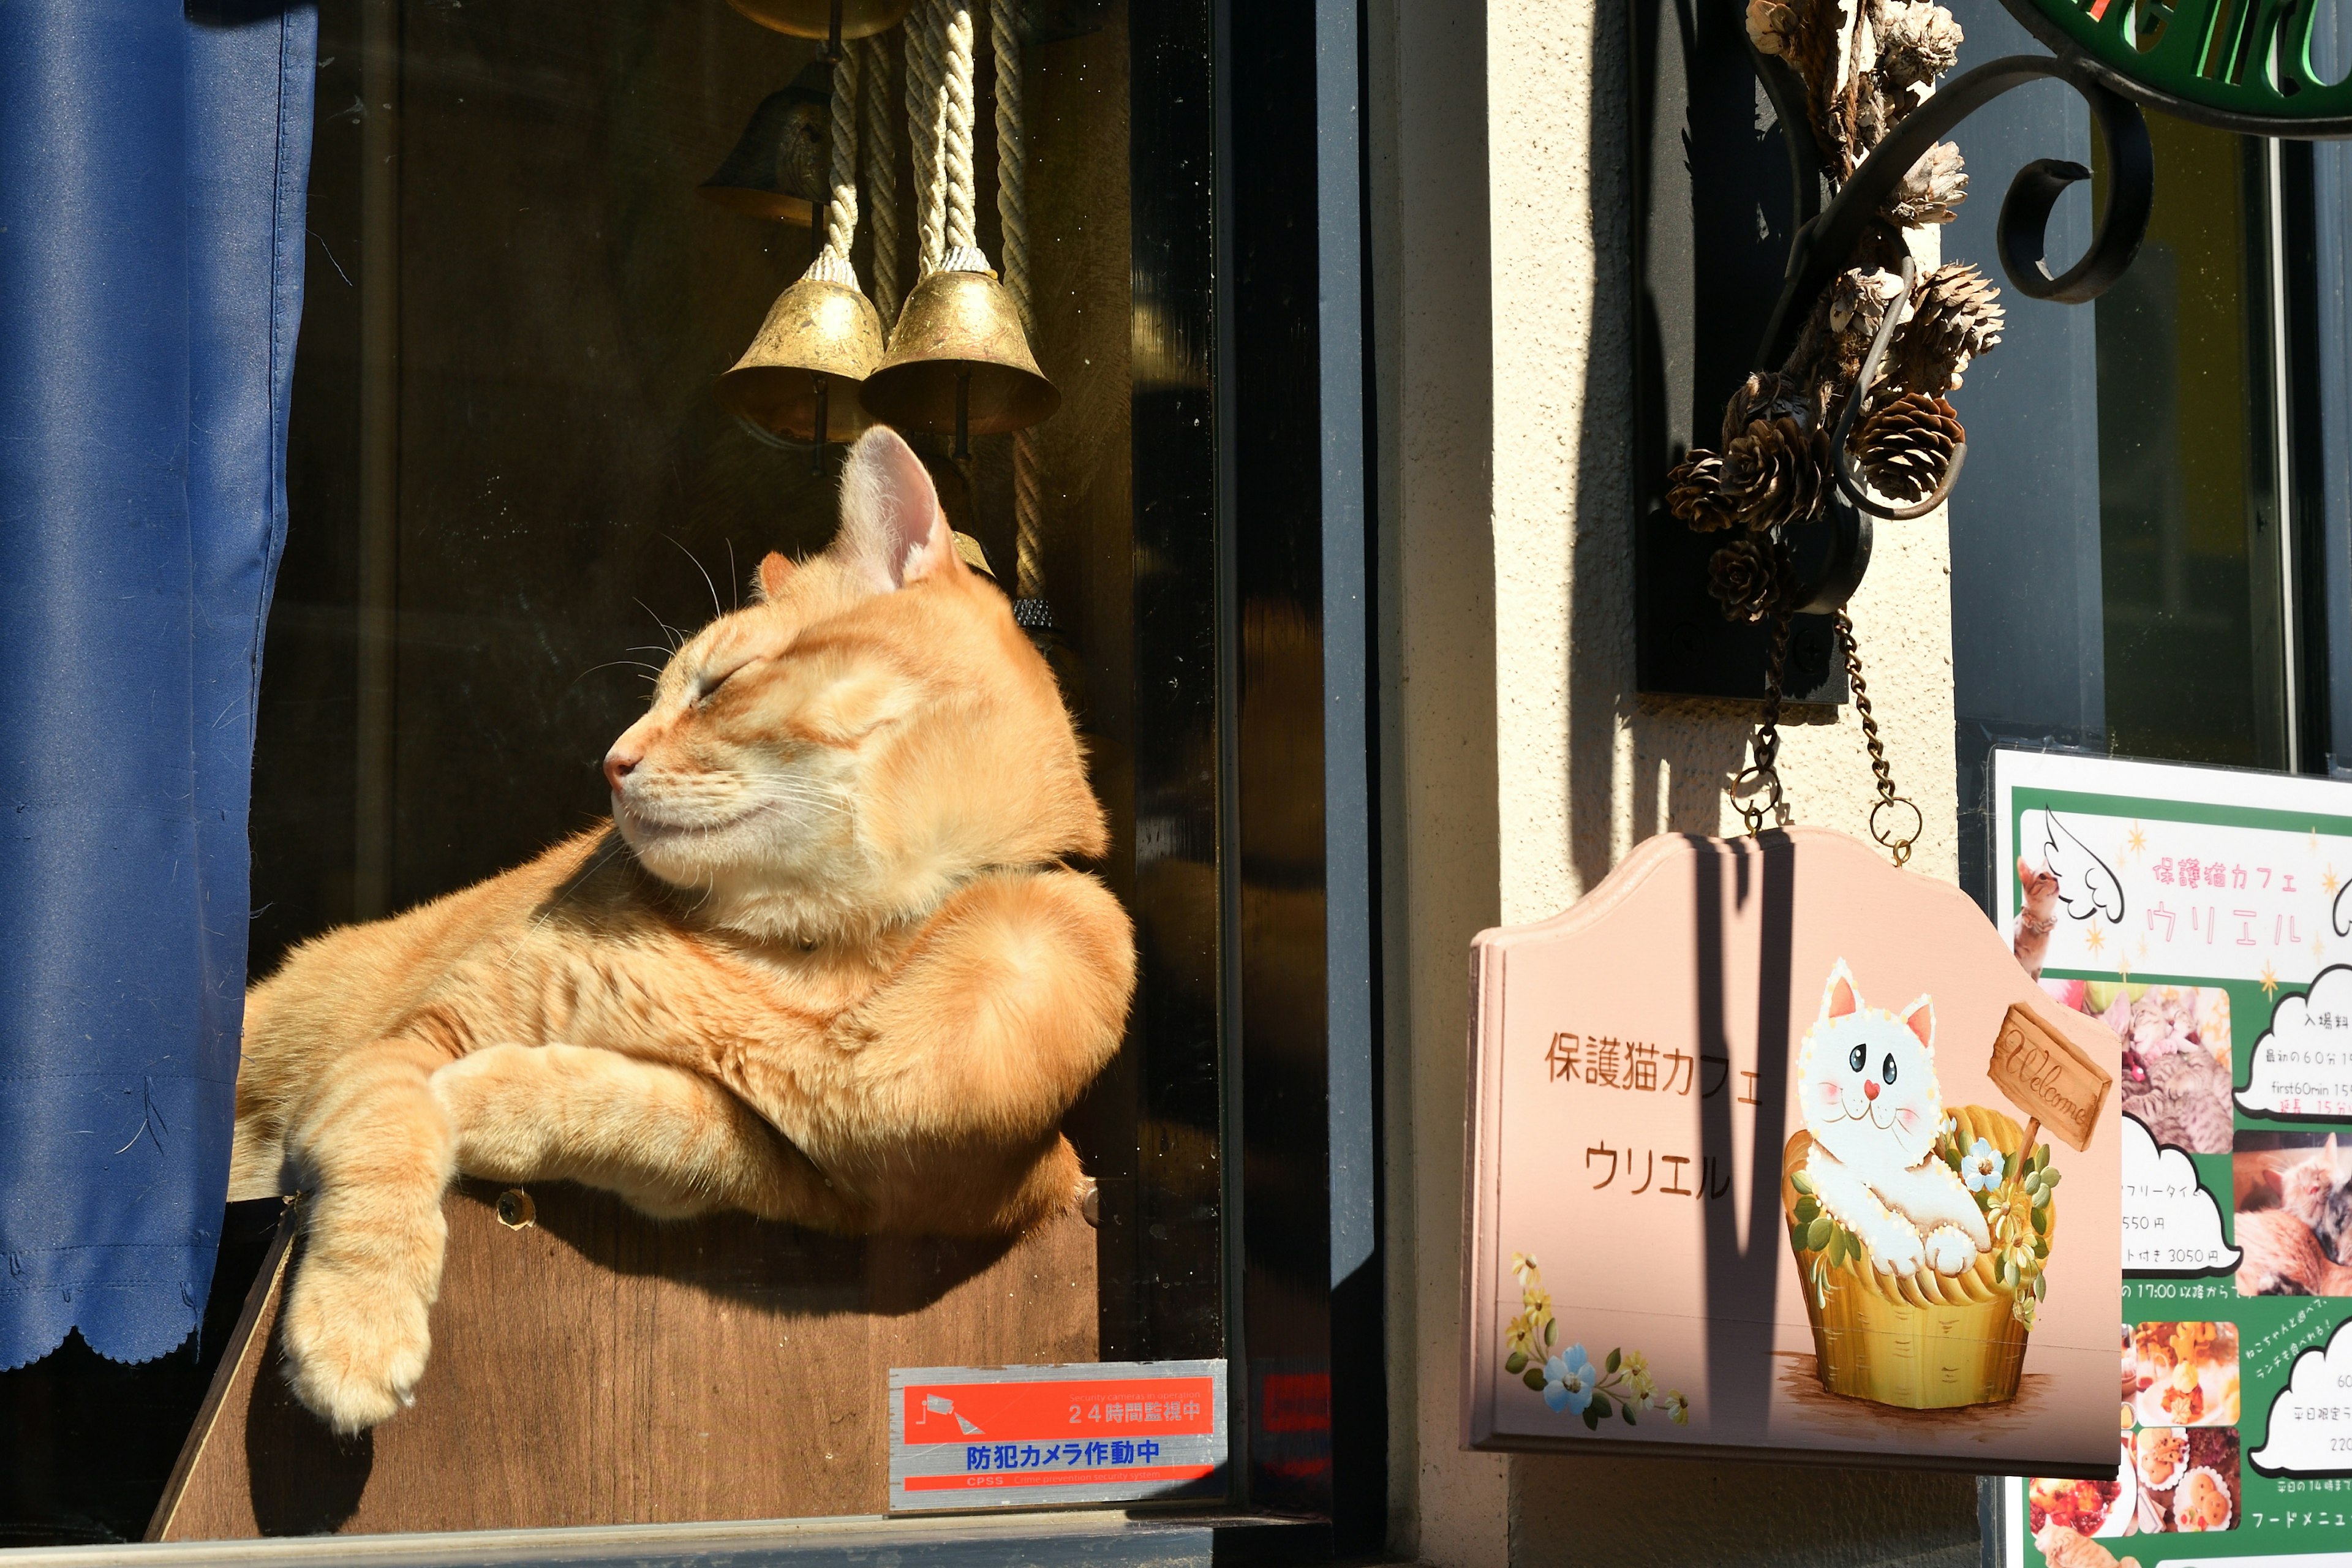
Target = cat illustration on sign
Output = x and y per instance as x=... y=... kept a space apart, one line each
x=1867 y=1077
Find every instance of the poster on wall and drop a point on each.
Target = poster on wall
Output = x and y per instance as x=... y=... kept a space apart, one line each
x=2204 y=917
x=1777 y=1149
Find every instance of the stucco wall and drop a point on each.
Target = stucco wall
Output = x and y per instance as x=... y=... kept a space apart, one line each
x=1520 y=764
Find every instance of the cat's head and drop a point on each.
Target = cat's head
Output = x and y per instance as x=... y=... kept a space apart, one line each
x=1867 y=1077
x=839 y=754
x=2309 y=1183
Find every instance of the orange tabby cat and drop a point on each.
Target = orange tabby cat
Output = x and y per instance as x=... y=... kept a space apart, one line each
x=825 y=967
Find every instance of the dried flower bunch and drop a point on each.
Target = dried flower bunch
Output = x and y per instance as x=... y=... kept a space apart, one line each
x=1865 y=65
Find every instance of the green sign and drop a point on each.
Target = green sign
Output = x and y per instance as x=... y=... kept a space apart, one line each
x=2244 y=64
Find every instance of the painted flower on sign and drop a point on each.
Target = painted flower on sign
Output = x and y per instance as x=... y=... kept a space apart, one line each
x=1980 y=1167
x=1568 y=1379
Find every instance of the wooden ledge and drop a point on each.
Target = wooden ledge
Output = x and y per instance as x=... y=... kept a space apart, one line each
x=593 y=1367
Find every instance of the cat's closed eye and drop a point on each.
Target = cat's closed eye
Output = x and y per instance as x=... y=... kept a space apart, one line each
x=706 y=686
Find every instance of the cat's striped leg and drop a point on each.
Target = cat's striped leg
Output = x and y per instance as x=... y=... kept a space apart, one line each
x=373 y=1150
x=1015 y=1001
x=670 y=1141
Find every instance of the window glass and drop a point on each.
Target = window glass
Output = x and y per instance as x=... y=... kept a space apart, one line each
x=541 y=237
x=2189 y=530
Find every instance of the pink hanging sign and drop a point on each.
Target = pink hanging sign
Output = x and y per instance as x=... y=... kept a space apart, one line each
x=1744 y=1177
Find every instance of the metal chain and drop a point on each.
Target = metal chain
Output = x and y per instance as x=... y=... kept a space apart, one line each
x=1763 y=774
x=1900 y=848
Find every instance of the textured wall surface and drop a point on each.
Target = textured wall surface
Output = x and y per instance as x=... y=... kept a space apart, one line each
x=1520 y=763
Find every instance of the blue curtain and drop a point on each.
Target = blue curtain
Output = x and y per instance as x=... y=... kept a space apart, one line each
x=152 y=167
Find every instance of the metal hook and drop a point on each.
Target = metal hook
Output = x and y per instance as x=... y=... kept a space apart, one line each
x=1851 y=481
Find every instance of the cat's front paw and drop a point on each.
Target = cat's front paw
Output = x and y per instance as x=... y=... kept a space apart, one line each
x=1895 y=1249
x=355 y=1343
x=1949 y=1250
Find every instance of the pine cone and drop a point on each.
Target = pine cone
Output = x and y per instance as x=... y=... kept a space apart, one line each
x=1858 y=299
x=1773 y=472
x=1906 y=445
x=1694 y=491
x=1918 y=41
x=1746 y=578
x=1814 y=38
x=1931 y=192
x=1765 y=395
x=1955 y=316
x=1802 y=32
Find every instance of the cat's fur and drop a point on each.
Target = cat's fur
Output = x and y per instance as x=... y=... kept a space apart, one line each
x=2317 y=1190
x=2281 y=1257
x=1867 y=1080
x=2172 y=1082
x=825 y=969
x=2029 y=936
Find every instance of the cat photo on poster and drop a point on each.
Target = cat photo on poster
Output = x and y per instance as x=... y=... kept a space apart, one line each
x=1777 y=1149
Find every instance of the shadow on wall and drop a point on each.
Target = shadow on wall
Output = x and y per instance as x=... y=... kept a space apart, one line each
x=1638 y=767
x=1751 y=1516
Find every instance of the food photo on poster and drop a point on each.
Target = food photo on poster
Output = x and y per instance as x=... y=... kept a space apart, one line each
x=2198 y=914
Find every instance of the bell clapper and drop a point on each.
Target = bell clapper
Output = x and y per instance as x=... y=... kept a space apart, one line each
x=816 y=451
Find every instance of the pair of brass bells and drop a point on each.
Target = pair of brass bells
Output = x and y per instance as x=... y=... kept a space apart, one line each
x=958 y=363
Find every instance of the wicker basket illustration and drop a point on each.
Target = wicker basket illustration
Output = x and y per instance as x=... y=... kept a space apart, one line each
x=1927 y=1342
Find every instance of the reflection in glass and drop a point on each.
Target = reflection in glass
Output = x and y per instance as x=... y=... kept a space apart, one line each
x=2188 y=512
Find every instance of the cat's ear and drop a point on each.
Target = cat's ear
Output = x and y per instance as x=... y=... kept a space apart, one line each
x=1839 y=998
x=1920 y=1019
x=893 y=531
x=775 y=571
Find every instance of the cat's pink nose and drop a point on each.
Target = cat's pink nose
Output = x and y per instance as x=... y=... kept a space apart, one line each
x=618 y=766
x=1869 y=1085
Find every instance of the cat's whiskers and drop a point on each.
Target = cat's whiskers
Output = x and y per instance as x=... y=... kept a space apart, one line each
x=716 y=611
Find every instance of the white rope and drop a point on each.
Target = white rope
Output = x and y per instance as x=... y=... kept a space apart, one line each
x=879 y=145
x=1012 y=220
x=926 y=105
x=962 y=251
x=841 y=207
x=1012 y=158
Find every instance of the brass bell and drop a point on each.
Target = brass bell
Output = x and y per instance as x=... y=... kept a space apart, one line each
x=959 y=360
x=778 y=167
x=831 y=19
x=800 y=377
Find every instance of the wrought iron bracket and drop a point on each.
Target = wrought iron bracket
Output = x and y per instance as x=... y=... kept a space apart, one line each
x=1683 y=646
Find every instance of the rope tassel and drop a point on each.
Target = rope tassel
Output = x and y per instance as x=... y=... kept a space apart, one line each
x=841 y=202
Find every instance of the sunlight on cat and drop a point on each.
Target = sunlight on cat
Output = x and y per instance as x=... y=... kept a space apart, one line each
x=827 y=966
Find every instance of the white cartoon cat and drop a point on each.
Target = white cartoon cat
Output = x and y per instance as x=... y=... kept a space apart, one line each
x=1867 y=1080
